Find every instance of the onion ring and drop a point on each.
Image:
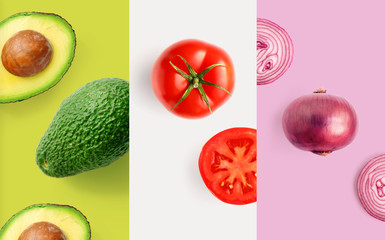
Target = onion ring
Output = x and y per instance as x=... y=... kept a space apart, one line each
x=371 y=187
x=274 y=51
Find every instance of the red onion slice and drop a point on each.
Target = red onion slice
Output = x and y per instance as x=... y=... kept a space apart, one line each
x=371 y=187
x=274 y=51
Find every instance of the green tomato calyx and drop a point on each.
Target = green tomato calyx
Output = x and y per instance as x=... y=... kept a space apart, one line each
x=196 y=81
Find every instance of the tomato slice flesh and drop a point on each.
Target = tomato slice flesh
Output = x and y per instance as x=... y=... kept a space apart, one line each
x=228 y=165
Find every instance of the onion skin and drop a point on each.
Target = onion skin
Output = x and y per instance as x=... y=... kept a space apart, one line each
x=274 y=51
x=320 y=123
x=370 y=187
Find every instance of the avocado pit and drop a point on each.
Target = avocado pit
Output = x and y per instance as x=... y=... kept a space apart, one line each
x=42 y=231
x=26 y=53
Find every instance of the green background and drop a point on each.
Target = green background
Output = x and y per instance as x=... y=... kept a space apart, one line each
x=102 y=51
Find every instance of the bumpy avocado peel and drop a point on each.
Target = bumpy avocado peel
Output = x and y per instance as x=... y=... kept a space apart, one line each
x=90 y=130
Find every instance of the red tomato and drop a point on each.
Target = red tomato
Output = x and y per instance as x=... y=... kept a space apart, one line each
x=208 y=82
x=228 y=165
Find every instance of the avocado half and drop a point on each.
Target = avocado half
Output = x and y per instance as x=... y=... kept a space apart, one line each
x=63 y=40
x=71 y=222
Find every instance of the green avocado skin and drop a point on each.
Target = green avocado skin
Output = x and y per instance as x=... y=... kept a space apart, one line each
x=90 y=130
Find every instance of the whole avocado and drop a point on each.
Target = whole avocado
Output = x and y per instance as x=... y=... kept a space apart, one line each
x=90 y=130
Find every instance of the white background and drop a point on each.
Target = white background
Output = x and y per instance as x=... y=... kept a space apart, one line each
x=168 y=199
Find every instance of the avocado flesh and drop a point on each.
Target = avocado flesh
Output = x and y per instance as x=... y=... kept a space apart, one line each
x=90 y=130
x=62 y=38
x=72 y=222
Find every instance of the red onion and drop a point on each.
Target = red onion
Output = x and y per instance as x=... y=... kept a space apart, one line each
x=274 y=51
x=320 y=122
x=371 y=187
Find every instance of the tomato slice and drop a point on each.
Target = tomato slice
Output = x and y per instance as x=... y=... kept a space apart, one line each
x=228 y=165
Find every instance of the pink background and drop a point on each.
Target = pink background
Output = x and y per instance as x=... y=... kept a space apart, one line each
x=339 y=45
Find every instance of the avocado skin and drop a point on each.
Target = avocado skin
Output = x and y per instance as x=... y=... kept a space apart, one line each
x=90 y=130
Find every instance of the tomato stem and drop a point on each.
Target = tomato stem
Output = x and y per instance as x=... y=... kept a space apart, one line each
x=196 y=81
